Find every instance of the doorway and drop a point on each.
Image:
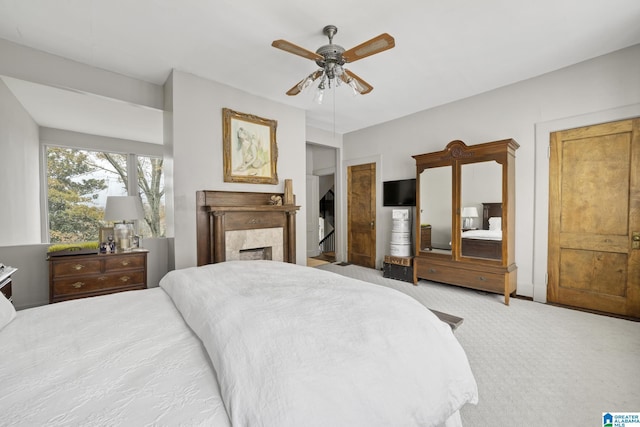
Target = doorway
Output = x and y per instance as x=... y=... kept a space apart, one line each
x=321 y=204
x=594 y=218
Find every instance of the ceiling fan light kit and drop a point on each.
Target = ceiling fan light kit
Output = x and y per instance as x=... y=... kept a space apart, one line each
x=331 y=59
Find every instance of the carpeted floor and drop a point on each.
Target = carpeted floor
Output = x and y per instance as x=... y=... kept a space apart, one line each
x=535 y=364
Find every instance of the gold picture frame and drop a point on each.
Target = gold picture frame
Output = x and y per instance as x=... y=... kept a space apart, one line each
x=250 y=149
x=105 y=232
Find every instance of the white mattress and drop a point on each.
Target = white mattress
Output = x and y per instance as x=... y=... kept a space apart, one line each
x=130 y=358
x=296 y=346
x=122 y=359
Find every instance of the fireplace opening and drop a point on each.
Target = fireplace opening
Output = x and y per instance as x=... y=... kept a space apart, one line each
x=256 y=253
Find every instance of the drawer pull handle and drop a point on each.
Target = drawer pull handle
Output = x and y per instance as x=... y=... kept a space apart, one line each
x=125 y=278
x=77 y=285
x=432 y=270
x=78 y=267
x=124 y=263
x=102 y=278
x=482 y=278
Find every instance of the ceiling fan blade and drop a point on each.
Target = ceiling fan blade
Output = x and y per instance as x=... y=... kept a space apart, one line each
x=295 y=90
x=356 y=82
x=296 y=50
x=377 y=44
x=304 y=83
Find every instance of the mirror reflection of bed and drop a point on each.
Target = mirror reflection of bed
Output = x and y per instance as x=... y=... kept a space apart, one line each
x=487 y=241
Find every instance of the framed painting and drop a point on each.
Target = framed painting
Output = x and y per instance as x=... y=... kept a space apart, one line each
x=250 y=149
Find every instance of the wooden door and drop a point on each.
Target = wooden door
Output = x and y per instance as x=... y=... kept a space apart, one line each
x=361 y=215
x=594 y=214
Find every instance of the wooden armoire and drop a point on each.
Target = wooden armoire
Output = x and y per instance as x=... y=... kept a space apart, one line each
x=479 y=181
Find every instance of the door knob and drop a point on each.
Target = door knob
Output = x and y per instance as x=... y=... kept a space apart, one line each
x=635 y=240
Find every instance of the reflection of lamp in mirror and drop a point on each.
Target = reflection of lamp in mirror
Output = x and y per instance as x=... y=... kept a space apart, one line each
x=126 y=209
x=468 y=214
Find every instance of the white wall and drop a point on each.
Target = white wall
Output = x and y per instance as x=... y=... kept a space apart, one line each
x=197 y=153
x=19 y=173
x=193 y=156
x=40 y=67
x=593 y=89
x=20 y=230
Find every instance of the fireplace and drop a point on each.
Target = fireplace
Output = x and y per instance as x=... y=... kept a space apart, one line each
x=256 y=254
x=254 y=244
x=230 y=223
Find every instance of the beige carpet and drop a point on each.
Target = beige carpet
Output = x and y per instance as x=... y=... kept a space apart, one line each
x=535 y=364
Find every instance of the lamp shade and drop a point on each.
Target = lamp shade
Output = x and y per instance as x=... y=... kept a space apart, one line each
x=470 y=212
x=123 y=208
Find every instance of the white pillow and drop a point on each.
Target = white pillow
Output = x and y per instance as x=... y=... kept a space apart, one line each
x=495 y=223
x=7 y=311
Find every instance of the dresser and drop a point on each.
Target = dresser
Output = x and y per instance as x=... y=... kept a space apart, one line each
x=81 y=276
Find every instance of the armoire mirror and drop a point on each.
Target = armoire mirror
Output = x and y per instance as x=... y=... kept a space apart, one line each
x=435 y=209
x=465 y=207
x=481 y=209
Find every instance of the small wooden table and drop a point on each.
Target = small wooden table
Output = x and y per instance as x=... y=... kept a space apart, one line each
x=398 y=268
x=5 y=281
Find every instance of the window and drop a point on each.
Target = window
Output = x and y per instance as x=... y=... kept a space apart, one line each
x=79 y=181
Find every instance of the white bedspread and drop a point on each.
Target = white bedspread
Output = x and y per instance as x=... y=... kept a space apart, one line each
x=296 y=346
x=126 y=359
x=482 y=234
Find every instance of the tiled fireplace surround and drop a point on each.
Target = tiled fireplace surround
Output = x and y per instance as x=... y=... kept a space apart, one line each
x=264 y=243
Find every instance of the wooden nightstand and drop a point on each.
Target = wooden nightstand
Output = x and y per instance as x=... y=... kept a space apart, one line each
x=5 y=281
x=81 y=276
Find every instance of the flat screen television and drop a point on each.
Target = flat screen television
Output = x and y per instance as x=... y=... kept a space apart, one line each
x=399 y=193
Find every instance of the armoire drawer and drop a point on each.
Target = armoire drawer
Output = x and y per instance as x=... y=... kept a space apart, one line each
x=474 y=279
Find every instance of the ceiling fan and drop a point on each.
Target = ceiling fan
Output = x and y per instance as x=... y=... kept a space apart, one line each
x=331 y=59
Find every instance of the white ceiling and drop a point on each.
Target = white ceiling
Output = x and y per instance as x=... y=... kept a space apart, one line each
x=445 y=50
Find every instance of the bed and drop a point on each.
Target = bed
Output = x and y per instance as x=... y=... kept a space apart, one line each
x=240 y=343
x=487 y=241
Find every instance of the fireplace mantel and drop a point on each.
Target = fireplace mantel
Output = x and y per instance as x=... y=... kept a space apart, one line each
x=220 y=211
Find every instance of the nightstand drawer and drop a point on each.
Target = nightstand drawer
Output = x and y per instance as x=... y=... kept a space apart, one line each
x=102 y=282
x=74 y=267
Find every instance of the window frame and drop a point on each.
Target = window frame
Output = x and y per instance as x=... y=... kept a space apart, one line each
x=77 y=141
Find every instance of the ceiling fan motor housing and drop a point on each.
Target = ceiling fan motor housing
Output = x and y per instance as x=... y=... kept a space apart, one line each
x=332 y=54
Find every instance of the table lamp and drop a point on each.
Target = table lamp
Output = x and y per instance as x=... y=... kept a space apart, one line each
x=125 y=209
x=468 y=214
